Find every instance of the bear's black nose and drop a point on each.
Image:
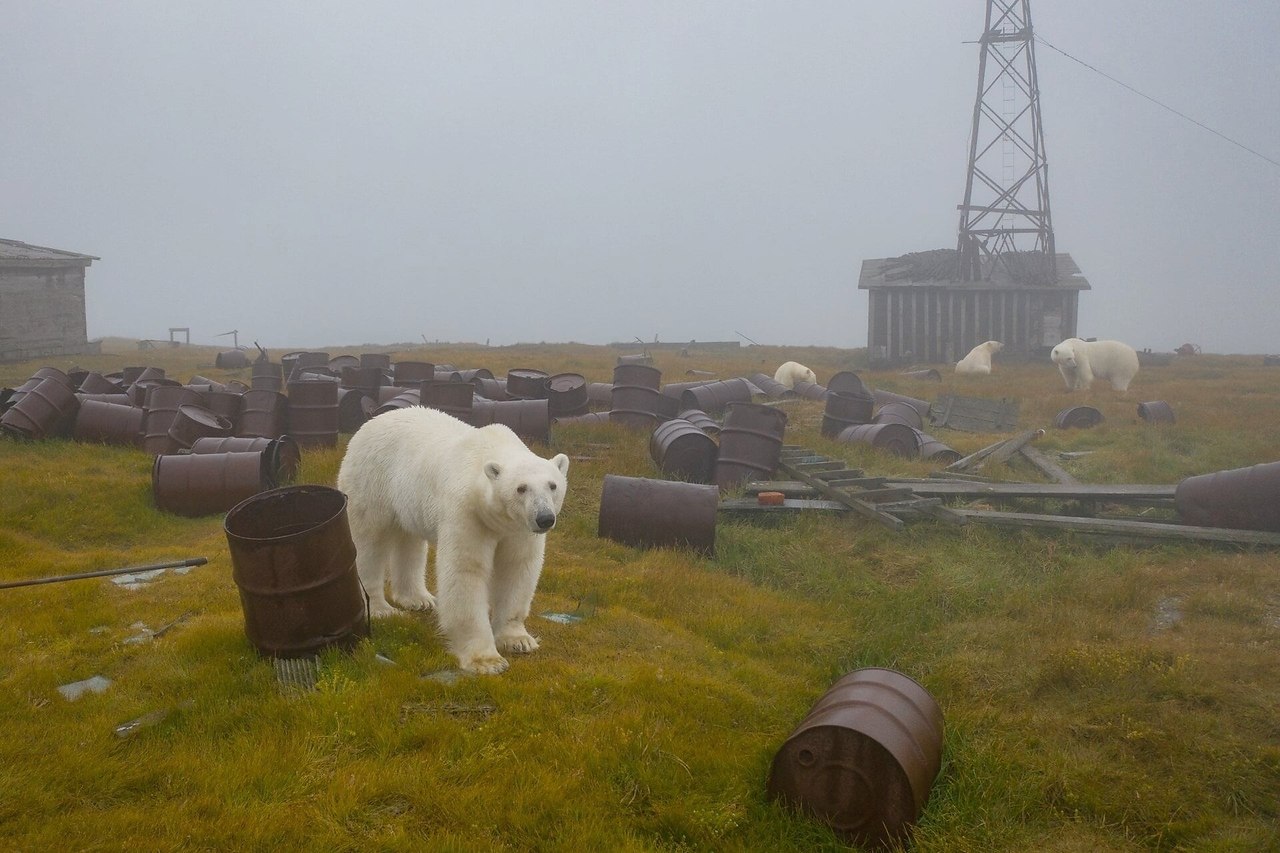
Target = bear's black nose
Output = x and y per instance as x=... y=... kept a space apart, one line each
x=546 y=520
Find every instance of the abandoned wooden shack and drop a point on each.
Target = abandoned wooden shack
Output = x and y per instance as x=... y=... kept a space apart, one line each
x=42 y=310
x=918 y=312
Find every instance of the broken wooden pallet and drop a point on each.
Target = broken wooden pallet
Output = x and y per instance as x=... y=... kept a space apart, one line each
x=974 y=414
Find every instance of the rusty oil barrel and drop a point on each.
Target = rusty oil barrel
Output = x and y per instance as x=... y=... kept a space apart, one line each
x=1156 y=412
x=492 y=389
x=811 y=391
x=701 y=420
x=567 y=394
x=232 y=359
x=161 y=404
x=898 y=439
x=267 y=376
x=453 y=398
x=342 y=363
x=659 y=513
x=108 y=423
x=927 y=375
x=716 y=397
x=294 y=564
x=771 y=388
x=408 y=374
x=47 y=409
x=474 y=374
x=193 y=422
x=313 y=412
x=366 y=379
x=225 y=403
x=1239 y=498
x=844 y=409
x=404 y=399
x=936 y=451
x=683 y=451
x=847 y=382
x=263 y=414
x=527 y=383
x=600 y=395
x=150 y=374
x=196 y=484
x=883 y=398
x=634 y=399
x=529 y=419
x=96 y=383
x=865 y=758
x=282 y=456
x=377 y=360
x=895 y=412
x=588 y=418
x=750 y=444
x=354 y=408
x=1078 y=417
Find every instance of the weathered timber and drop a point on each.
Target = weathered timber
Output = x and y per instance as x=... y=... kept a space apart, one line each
x=974 y=414
x=841 y=474
x=823 y=467
x=1047 y=466
x=751 y=507
x=1119 y=493
x=999 y=452
x=848 y=499
x=1144 y=529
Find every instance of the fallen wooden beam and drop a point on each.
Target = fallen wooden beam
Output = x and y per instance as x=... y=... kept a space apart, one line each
x=1118 y=493
x=1001 y=450
x=1143 y=529
x=751 y=507
x=831 y=492
x=1047 y=466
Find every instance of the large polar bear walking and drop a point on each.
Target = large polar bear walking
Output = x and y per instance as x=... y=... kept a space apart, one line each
x=792 y=372
x=416 y=477
x=1080 y=362
x=979 y=358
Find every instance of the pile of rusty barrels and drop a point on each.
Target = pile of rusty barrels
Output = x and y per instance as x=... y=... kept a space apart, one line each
x=893 y=423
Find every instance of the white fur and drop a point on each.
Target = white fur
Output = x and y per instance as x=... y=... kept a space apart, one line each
x=1080 y=362
x=979 y=358
x=416 y=477
x=792 y=372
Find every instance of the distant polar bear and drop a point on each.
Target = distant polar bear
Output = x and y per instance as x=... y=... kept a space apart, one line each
x=792 y=372
x=416 y=477
x=979 y=358
x=1080 y=362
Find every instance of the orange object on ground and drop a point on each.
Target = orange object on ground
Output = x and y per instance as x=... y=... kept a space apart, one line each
x=770 y=498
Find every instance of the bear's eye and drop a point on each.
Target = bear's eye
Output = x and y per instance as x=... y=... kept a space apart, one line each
x=522 y=489
x=553 y=487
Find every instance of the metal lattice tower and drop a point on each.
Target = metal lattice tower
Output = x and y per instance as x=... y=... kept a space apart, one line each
x=1004 y=220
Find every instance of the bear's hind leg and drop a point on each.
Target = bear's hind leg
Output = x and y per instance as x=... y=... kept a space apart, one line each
x=516 y=567
x=408 y=572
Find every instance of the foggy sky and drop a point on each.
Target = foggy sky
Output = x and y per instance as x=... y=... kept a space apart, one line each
x=317 y=173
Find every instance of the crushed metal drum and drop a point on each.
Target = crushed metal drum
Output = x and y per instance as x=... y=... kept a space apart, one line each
x=354 y=408
x=1156 y=412
x=865 y=758
x=683 y=451
x=1239 y=498
x=659 y=513
x=1078 y=417
x=750 y=444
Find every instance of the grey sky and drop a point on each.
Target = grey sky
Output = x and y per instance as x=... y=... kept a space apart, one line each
x=316 y=173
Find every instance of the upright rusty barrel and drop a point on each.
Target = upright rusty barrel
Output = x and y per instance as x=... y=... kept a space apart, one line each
x=634 y=399
x=162 y=403
x=845 y=409
x=379 y=360
x=683 y=451
x=410 y=373
x=750 y=444
x=865 y=758
x=1156 y=412
x=267 y=376
x=567 y=394
x=659 y=513
x=1239 y=498
x=527 y=383
x=313 y=412
x=294 y=565
x=454 y=398
x=263 y=414
x=898 y=439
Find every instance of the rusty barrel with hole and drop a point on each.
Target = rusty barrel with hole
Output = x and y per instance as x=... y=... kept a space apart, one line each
x=716 y=397
x=750 y=444
x=936 y=451
x=844 y=409
x=1078 y=417
x=567 y=394
x=659 y=513
x=410 y=373
x=895 y=412
x=454 y=398
x=527 y=383
x=864 y=759
x=282 y=455
x=634 y=399
x=529 y=419
x=162 y=403
x=1239 y=498
x=313 y=412
x=294 y=564
x=108 y=423
x=196 y=484
x=701 y=420
x=194 y=422
x=263 y=414
x=811 y=391
x=771 y=388
x=683 y=451
x=47 y=409
x=898 y=439
x=1156 y=412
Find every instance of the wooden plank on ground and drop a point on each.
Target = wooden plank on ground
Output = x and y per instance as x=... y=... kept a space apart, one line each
x=1005 y=452
x=829 y=491
x=751 y=507
x=1047 y=466
x=1117 y=493
x=1144 y=529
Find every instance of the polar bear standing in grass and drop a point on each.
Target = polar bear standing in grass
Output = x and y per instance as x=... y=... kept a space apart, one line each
x=792 y=372
x=416 y=477
x=979 y=358
x=1080 y=362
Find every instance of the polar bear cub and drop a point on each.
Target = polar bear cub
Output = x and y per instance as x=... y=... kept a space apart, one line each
x=979 y=358
x=417 y=477
x=1080 y=362
x=792 y=372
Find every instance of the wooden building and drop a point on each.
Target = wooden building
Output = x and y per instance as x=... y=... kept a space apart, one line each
x=917 y=313
x=42 y=309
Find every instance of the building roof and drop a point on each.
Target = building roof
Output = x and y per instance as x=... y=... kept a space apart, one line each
x=15 y=252
x=934 y=269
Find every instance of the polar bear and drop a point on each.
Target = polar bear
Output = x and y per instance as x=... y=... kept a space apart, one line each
x=792 y=372
x=979 y=358
x=1080 y=362
x=417 y=477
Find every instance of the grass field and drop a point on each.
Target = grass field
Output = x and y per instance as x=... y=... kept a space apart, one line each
x=1097 y=696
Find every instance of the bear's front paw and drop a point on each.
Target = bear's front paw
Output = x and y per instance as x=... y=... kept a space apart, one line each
x=380 y=609
x=483 y=664
x=517 y=642
x=419 y=600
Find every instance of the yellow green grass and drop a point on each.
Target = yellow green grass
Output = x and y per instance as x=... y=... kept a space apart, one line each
x=1096 y=696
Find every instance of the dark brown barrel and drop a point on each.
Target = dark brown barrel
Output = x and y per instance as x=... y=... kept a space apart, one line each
x=750 y=444
x=366 y=379
x=281 y=455
x=225 y=403
x=196 y=484
x=403 y=400
x=267 y=376
x=162 y=403
x=845 y=409
x=96 y=383
x=1078 y=417
x=634 y=399
x=715 y=397
x=474 y=374
x=527 y=383
x=600 y=395
x=639 y=375
x=898 y=439
x=865 y=758
x=769 y=387
x=47 y=409
x=936 y=451
x=1239 y=498
x=339 y=364
x=354 y=408
x=194 y=422
x=410 y=373
x=929 y=375
x=567 y=394
x=883 y=398
x=129 y=375
x=387 y=393
x=811 y=391
x=294 y=565
x=313 y=412
x=895 y=412
x=641 y=358
x=588 y=418
x=377 y=360
x=232 y=359
x=659 y=513
x=204 y=384
x=150 y=374
x=683 y=451
x=847 y=382
x=108 y=423
x=492 y=389
x=454 y=398
x=442 y=375
x=701 y=420
x=1156 y=412
x=263 y=413
x=529 y=419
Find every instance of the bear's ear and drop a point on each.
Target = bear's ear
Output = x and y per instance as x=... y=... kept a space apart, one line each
x=562 y=462
x=491 y=470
